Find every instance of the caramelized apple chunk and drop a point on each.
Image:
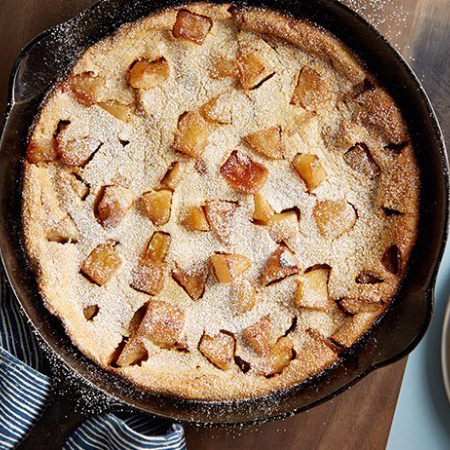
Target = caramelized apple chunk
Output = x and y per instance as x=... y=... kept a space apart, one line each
x=157 y=205
x=220 y=216
x=162 y=324
x=113 y=205
x=148 y=276
x=252 y=68
x=281 y=264
x=313 y=91
x=283 y=226
x=192 y=280
x=279 y=357
x=75 y=151
x=101 y=264
x=41 y=150
x=116 y=109
x=192 y=134
x=267 y=142
x=217 y=110
x=244 y=296
x=146 y=74
x=85 y=87
x=228 y=268
x=63 y=231
x=218 y=350
x=310 y=170
x=244 y=174
x=192 y=27
x=312 y=290
x=173 y=175
x=132 y=353
x=334 y=218
x=263 y=212
x=260 y=336
x=222 y=67
x=359 y=159
x=195 y=220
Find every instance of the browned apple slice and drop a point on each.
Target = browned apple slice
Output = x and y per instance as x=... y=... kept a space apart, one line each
x=217 y=110
x=334 y=218
x=173 y=175
x=283 y=226
x=267 y=142
x=359 y=159
x=158 y=247
x=244 y=174
x=263 y=212
x=157 y=205
x=113 y=205
x=313 y=91
x=192 y=280
x=192 y=134
x=253 y=69
x=63 y=231
x=116 y=109
x=281 y=264
x=132 y=353
x=310 y=170
x=220 y=216
x=280 y=355
x=162 y=324
x=312 y=290
x=41 y=150
x=101 y=264
x=228 y=268
x=260 y=336
x=244 y=296
x=195 y=220
x=146 y=74
x=218 y=350
x=192 y=27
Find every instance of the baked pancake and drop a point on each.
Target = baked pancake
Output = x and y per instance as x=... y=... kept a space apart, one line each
x=219 y=201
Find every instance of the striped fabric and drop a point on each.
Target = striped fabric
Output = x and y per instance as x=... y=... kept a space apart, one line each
x=24 y=390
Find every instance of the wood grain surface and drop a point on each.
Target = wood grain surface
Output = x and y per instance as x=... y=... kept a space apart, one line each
x=361 y=417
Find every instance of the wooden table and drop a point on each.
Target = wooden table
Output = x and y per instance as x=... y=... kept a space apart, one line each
x=362 y=416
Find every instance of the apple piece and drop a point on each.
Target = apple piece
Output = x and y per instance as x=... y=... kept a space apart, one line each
x=116 y=109
x=63 y=231
x=158 y=247
x=113 y=205
x=263 y=212
x=148 y=277
x=281 y=264
x=228 y=268
x=260 y=336
x=222 y=67
x=267 y=142
x=310 y=170
x=157 y=205
x=283 y=226
x=162 y=324
x=192 y=27
x=85 y=87
x=146 y=74
x=218 y=350
x=244 y=174
x=313 y=91
x=244 y=296
x=359 y=159
x=41 y=150
x=193 y=280
x=252 y=68
x=280 y=355
x=192 y=134
x=217 y=111
x=220 y=216
x=334 y=218
x=312 y=290
x=101 y=263
x=195 y=220
x=173 y=175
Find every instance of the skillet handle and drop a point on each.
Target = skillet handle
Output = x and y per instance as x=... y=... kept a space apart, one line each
x=55 y=425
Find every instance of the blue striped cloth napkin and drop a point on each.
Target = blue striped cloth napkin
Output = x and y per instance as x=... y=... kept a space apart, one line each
x=24 y=389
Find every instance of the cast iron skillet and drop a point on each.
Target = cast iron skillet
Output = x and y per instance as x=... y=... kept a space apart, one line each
x=47 y=58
